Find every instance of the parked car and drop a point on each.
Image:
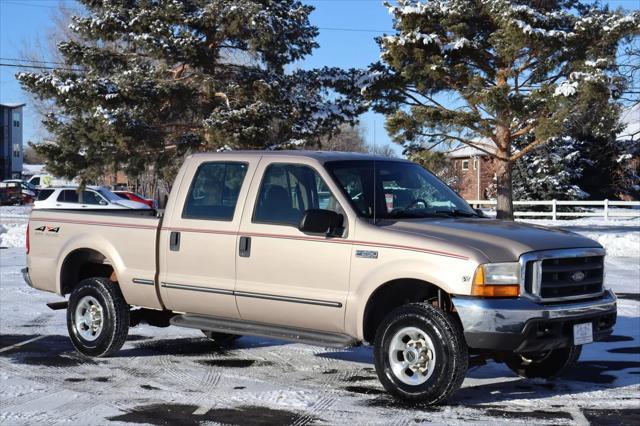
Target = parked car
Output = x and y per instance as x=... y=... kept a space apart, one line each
x=128 y=195
x=318 y=247
x=47 y=181
x=92 y=197
x=27 y=190
x=10 y=193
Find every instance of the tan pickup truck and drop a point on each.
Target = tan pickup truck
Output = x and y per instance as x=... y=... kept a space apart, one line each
x=331 y=249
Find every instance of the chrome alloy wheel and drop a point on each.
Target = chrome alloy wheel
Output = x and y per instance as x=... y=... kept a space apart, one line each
x=412 y=356
x=89 y=318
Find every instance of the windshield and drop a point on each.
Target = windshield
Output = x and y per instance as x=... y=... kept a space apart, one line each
x=402 y=190
x=108 y=194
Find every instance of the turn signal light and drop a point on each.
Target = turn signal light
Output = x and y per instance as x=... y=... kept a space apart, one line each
x=482 y=289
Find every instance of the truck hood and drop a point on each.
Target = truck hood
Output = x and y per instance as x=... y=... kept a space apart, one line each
x=498 y=240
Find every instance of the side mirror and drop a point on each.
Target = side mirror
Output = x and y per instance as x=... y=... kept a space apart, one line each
x=319 y=221
x=103 y=203
x=480 y=212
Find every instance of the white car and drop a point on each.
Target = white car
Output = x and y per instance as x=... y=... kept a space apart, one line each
x=92 y=197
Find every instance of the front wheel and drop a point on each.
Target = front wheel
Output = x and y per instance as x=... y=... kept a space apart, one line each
x=420 y=354
x=97 y=317
x=546 y=365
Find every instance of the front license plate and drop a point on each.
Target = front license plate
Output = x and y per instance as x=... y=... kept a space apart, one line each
x=582 y=333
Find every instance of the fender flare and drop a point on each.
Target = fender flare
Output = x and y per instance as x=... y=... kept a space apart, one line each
x=415 y=269
x=84 y=242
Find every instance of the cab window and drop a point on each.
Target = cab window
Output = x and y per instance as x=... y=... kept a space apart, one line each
x=91 y=197
x=287 y=191
x=44 y=194
x=214 y=191
x=68 y=196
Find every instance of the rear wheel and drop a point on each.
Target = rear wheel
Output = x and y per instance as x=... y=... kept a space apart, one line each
x=221 y=339
x=420 y=354
x=547 y=364
x=97 y=317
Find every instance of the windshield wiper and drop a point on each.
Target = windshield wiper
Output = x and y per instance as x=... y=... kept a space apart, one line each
x=456 y=213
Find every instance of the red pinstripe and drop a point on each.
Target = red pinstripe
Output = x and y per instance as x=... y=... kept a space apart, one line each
x=257 y=234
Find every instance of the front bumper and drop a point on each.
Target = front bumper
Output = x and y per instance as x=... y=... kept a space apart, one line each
x=26 y=277
x=522 y=325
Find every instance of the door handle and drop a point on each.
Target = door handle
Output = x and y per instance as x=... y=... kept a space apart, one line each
x=174 y=241
x=245 y=247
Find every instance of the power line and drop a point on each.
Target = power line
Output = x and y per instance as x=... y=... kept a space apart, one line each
x=32 y=61
x=359 y=30
x=40 y=67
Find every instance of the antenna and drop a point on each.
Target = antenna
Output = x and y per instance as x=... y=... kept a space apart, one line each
x=375 y=173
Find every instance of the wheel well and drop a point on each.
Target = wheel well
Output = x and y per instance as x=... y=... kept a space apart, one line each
x=81 y=264
x=392 y=295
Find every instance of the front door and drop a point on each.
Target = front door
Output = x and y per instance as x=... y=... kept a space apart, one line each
x=285 y=276
x=199 y=237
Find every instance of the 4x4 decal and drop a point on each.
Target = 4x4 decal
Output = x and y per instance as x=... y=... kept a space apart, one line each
x=54 y=229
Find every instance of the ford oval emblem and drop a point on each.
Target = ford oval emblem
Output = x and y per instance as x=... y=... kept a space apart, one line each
x=577 y=276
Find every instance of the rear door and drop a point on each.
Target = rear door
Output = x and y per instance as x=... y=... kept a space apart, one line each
x=68 y=199
x=198 y=241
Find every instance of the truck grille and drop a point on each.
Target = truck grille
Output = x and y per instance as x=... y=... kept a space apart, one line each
x=571 y=277
x=564 y=275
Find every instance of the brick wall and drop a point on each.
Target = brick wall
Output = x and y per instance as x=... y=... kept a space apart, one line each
x=468 y=186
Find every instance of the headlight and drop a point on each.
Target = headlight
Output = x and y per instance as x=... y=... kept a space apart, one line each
x=497 y=280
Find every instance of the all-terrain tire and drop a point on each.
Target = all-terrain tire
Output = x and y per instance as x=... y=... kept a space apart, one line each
x=545 y=365
x=114 y=314
x=450 y=353
x=221 y=339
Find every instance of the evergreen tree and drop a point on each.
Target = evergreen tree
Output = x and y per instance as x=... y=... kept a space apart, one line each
x=506 y=70
x=148 y=81
x=586 y=162
x=437 y=162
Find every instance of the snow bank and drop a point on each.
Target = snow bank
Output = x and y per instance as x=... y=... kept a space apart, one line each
x=15 y=212
x=626 y=244
x=12 y=234
x=619 y=236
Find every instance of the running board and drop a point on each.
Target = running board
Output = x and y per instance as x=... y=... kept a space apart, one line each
x=249 y=328
x=56 y=306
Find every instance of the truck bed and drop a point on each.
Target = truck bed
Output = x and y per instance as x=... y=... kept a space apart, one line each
x=123 y=239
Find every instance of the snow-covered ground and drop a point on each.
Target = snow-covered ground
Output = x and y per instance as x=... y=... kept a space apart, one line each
x=174 y=376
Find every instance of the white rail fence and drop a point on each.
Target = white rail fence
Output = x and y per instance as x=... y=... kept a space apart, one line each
x=632 y=210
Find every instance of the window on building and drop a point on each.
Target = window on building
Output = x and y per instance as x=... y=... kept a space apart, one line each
x=465 y=164
x=16 y=119
x=475 y=164
x=17 y=150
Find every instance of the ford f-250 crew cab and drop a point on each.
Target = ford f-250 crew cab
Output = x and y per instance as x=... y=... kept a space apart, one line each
x=331 y=249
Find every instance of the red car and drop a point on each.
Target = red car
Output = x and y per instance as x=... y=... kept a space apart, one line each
x=128 y=195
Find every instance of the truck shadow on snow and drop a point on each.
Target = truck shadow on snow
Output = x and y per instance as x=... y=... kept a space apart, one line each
x=611 y=363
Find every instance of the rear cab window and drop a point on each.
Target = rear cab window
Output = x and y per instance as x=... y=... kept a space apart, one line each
x=214 y=191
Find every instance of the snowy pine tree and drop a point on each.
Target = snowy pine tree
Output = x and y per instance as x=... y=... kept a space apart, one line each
x=505 y=70
x=582 y=163
x=146 y=82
